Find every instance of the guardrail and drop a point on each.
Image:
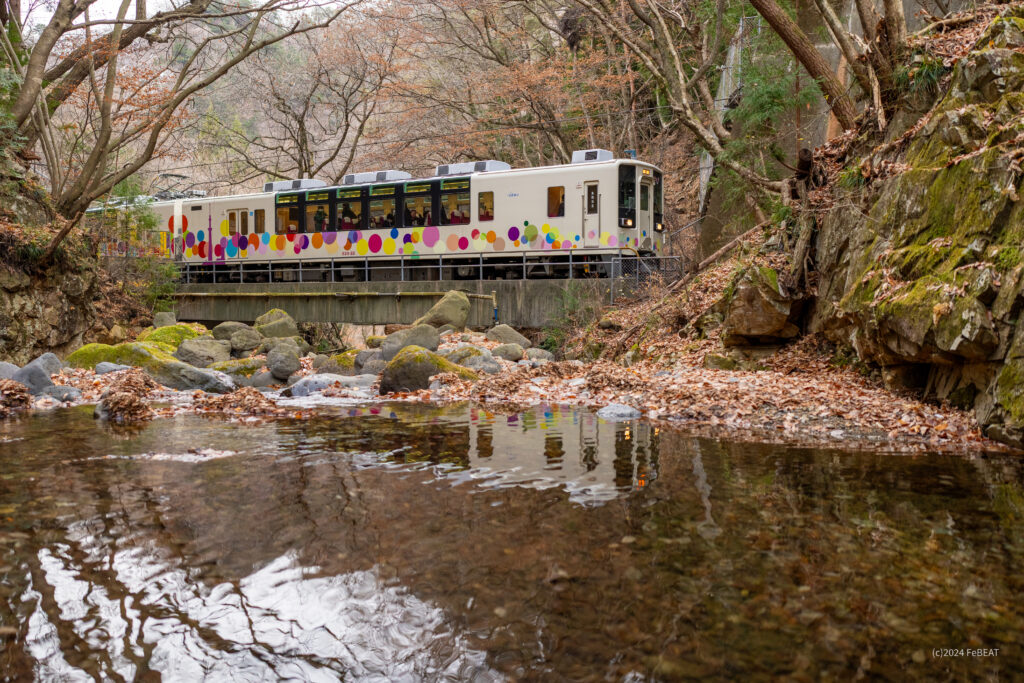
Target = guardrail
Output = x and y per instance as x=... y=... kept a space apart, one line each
x=524 y=266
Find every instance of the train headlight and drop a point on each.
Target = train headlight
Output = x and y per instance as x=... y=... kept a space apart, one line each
x=659 y=227
x=629 y=222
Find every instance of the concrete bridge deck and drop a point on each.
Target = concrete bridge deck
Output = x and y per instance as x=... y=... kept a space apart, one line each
x=520 y=303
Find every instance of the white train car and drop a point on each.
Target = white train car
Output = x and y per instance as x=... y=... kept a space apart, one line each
x=474 y=219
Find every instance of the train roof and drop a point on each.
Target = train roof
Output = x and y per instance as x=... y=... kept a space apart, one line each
x=150 y=201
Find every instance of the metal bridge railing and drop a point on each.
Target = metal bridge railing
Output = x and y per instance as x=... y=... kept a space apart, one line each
x=524 y=266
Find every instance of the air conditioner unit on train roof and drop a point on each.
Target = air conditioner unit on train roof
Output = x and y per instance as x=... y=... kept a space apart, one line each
x=586 y=156
x=374 y=177
x=466 y=167
x=299 y=184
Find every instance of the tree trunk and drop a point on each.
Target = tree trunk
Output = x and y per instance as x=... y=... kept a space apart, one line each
x=896 y=27
x=810 y=58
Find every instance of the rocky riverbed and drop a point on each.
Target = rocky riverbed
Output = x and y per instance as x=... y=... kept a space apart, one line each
x=267 y=370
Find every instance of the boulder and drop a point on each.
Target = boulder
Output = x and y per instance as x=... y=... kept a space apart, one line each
x=116 y=334
x=164 y=319
x=374 y=341
x=369 y=354
x=7 y=370
x=618 y=411
x=276 y=323
x=423 y=336
x=48 y=362
x=283 y=361
x=608 y=324
x=34 y=377
x=172 y=334
x=64 y=394
x=239 y=367
x=156 y=362
x=203 y=353
x=319 y=360
x=464 y=352
x=262 y=379
x=412 y=368
x=482 y=363
x=340 y=364
x=452 y=309
x=447 y=329
x=506 y=335
x=512 y=352
x=245 y=340
x=539 y=354
x=757 y=310
x=300 y=345
x=374 y=367
x=317 y=383
x=225 y=329
x=104 y=368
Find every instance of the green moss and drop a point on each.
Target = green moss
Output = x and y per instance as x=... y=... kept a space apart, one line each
x=374 y=341
x=346 y=360
x=140 y=354
x=771 y=277
x=246 y=367
x=173 y=334
x=1010 y=389
x=1008 y=258
x=418 y=354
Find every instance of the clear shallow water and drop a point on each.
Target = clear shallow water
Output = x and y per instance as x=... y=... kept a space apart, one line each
x=409 y=542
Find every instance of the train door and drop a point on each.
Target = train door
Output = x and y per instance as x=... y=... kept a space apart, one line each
x=591 y=214
x=238 y=222
x=645 y=212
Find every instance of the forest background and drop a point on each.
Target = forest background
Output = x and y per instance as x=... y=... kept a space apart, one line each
x=105 y=98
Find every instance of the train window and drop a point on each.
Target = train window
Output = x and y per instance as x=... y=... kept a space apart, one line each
x=350 y=214
x=316 y=218
x=417 y=211
x=657 y=193
x=232 y=223
x=243 y=220
x=627 y=187
x=287 y=220
x=485 y=206
x=592 y=198
x=455 y=208
x=260 y=221
x=556 y=201
x=382 y=213
x=645 y=197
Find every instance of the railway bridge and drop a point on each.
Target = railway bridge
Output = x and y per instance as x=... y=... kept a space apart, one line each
x=525 y=303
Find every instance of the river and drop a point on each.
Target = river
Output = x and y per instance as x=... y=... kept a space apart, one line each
x=417 y=542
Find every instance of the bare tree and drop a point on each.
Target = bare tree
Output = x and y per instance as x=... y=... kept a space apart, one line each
x=310 y=117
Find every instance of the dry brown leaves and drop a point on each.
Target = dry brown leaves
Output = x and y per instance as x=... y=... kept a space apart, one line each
x=13 y=396
x=244 y=401
x=134 y=381
x=124 y=406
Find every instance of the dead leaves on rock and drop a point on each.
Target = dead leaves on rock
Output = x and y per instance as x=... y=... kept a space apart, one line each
x=246 y=401
x=13 y=396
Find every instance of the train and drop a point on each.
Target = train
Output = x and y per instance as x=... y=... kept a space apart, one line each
x=479 y=219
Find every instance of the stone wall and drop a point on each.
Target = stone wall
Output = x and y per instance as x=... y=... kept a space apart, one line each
x=46 y=311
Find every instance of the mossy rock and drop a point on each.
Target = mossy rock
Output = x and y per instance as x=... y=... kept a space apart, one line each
x=156 y=362
x=412 y=368
x=244 y=367
x=173 y=334
x=374 y=341
x=340 y=364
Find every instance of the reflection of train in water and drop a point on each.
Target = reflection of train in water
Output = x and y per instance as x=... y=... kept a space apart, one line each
x=540 y=447
x=468 y=220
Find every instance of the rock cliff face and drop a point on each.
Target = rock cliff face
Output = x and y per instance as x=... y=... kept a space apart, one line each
x=45 y=311
x=926 y=277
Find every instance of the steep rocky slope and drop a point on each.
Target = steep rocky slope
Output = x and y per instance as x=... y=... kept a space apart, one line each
x=922 y=272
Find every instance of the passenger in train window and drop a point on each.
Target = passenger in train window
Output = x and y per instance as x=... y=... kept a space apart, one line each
x=320 y=220
x=349 y=217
